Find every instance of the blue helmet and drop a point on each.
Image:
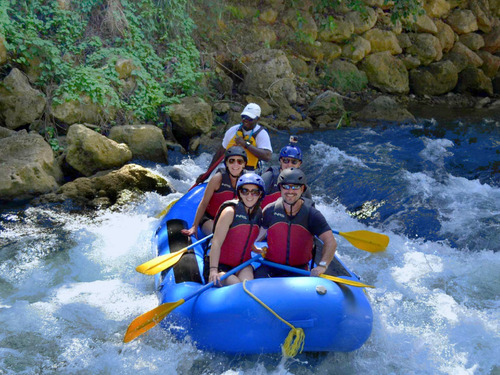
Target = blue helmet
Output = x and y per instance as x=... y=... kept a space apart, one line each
x=291 y=152
x=254 y=179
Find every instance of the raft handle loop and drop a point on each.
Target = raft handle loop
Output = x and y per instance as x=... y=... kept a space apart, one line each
x=294 y=342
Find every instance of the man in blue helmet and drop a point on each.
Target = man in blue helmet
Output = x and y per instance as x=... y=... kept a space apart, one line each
x=290 y=157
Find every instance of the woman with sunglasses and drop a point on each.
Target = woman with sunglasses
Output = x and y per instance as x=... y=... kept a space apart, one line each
x=290 y=157
x=237 y=226
x=220 y=188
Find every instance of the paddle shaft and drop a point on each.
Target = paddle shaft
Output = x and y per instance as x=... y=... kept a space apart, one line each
x=308 y=273
x=225 y=276
x=210 y=170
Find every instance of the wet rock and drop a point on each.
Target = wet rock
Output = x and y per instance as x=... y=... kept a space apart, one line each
x=108 y=188
x=472 y=58
x=27 y=167
x=328 y=103
x=89 y=151
x=473 y=80
x=20 y=104
x=384 y=109
x=145 y=141
x=436 y=79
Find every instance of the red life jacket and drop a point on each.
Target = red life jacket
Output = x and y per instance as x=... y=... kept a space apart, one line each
x=289 y=239
x=242 y=233
x=225 y=193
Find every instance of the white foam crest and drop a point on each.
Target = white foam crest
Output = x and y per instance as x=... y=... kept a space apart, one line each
x=466 y=207
x=436 y=150
x=329 y=155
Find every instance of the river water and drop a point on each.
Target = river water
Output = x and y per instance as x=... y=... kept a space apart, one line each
x=68 y=288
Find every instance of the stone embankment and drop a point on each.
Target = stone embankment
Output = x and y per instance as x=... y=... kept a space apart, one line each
x=306 y=71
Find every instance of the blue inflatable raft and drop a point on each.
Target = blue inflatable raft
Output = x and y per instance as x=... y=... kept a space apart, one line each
x=333 y=317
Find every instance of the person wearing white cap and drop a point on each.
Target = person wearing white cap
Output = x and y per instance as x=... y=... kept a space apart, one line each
x=249 y=135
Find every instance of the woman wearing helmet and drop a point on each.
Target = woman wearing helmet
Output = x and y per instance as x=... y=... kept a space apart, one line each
x=236 y=228
x=290 y=157
x=220 y=188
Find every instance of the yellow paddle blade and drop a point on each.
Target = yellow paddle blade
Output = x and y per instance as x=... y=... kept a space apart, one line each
x=366 y=240
x=158 y=264
x=341 y=280
x=164 y=212
x=146 y=321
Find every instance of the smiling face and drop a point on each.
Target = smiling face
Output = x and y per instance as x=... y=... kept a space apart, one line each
x=291 y=193
x=249 y=194
x=289 y=163
x=235 y=165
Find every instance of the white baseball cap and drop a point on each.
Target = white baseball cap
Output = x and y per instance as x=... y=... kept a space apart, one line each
x=252 y=110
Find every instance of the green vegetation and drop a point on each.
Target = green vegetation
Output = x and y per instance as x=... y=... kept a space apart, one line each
x=72 y=47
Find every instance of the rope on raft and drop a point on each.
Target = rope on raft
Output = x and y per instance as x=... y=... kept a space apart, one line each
x=294 y=342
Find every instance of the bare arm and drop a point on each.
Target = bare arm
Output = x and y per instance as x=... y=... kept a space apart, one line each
x=212 y=186
x=225 y=220
x=329 y=248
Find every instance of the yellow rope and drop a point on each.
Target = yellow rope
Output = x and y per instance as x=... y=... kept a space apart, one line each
x=294 y=342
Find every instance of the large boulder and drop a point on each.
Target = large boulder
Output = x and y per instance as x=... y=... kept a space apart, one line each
x=383 y=40
x=472 y=58
x=446 y=35
x=422 y=24
x=472 y=40
x=145 y=141
x=436 y=8
x=492 y=40
x=491 y=63
x=474 y=81
x=362 y=20
x=82 y=110
x=426 y=47
x=269 y=75
x=20 y=104
x=27 y=167
x=462 y=21
x=192 y=116
x=328 y=104
x=436 y=79
x=105 y=188
x=357 y=49
x=89 y=152
x=384 y=108
x=302 y=22
x=386 y=73
x=482 y=12
x=341 y=30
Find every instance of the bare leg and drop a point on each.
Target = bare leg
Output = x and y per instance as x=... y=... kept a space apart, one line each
x=246 y=274
x=233 y=279
x=207 y=227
